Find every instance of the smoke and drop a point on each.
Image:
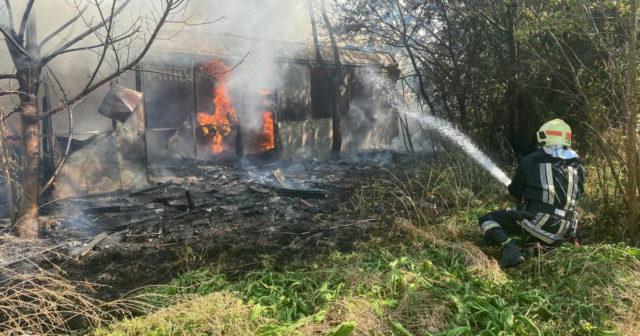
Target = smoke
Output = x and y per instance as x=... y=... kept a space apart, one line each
x=444 y=128
x=368 y=124
x=265 y=19
x=283 y=20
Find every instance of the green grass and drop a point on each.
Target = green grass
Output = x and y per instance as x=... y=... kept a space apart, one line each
x=575 y=290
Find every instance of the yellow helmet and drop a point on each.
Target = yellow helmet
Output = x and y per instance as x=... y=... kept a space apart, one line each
x=555 y=132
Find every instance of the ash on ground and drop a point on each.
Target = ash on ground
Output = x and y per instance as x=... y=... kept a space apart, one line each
x=227 y=216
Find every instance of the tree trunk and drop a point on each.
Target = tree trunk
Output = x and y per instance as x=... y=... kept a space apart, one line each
x=28 y=71
x=512 y=88
x=462 y=105
x=27 y=225
x=336 y=146
x=632 y=123
x=406 y=122
x=6 y=170
x=336 y=82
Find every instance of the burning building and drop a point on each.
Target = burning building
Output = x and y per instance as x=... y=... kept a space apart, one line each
x=257 y=98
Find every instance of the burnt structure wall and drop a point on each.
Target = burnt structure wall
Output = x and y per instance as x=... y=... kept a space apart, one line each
x=367 y=122
x=107 y=162
x=302 y=107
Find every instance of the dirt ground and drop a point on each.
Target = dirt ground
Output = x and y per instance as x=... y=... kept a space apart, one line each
x=238 y=217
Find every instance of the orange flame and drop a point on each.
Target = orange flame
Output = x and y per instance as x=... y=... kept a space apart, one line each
x=224 y=113
x=266 y=139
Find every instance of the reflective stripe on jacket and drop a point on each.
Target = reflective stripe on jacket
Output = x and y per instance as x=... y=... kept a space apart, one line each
x=543 y=178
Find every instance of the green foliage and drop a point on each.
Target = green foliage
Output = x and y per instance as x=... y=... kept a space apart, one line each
x=291 y=296
x=576 y=290
x=344 y=329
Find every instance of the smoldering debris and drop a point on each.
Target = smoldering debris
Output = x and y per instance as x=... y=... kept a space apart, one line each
x=222 y=210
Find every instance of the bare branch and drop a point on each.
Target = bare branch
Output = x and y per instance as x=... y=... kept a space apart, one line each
x=63 y=27
x=109 y=26
x=82 y=36
x=15 y=44
x=10 y=13
x=17 y=93
x=171 y=5
x=186 y=22
x=119 y=39
x=25 y=18
x=208 y=75
x=8 y=76
x=493 y=22
x=314 y=29
x=16 y=110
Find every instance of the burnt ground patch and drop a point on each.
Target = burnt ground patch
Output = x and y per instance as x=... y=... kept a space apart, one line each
x=238 y=218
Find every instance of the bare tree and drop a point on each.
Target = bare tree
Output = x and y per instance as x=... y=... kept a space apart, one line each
x=117 y=50
x=335 y=79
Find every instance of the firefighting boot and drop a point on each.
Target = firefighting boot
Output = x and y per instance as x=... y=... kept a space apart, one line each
x=511 y=256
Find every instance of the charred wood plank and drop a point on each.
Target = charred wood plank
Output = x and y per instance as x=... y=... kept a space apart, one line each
x=187 y=214
x=318 y=184
x=316 y=193
x=138 y=221
x=142 y=191
x=85 y=249
x=163 y=200
x=201 y=222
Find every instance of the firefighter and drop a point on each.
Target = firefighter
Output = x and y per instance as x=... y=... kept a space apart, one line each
x=547 y=185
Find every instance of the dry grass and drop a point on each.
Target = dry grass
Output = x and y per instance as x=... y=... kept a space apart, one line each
x=417 y=235
x=358 y=309
x=477 y=262
x=627 y=303
x=47 y=304
x=628 y=320
x=420 y=313
x=214 y=314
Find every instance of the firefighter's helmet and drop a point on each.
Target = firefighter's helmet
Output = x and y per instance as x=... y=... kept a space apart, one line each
x=555 y=132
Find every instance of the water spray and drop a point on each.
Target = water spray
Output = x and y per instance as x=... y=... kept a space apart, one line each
x=443 y=127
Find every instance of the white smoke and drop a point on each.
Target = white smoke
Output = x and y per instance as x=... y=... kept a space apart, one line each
x=286 y=20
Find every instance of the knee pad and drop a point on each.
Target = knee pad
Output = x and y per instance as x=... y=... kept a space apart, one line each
x=484 y=218
x=487 y=228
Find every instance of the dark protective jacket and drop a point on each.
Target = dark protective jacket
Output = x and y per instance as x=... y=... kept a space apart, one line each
x=559 y=182
x=543 y=178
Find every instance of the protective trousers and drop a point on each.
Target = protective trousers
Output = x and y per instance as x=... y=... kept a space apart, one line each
x=544 y=228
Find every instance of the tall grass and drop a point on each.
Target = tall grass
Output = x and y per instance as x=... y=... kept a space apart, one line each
x=449 y=195
x=45 y=303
